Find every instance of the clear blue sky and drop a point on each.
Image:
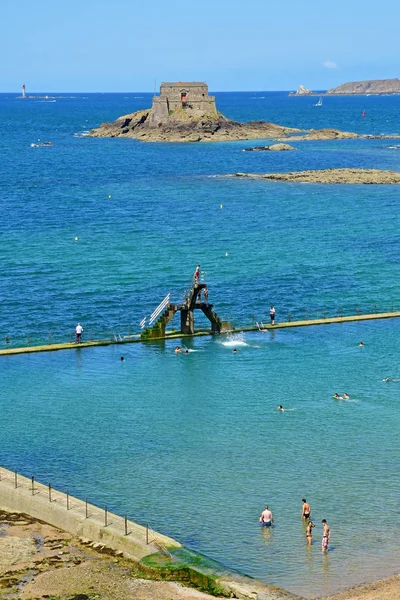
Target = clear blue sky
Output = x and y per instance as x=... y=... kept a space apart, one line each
x=124 y=45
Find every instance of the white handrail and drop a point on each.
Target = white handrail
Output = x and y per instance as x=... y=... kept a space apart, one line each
x=159 y=308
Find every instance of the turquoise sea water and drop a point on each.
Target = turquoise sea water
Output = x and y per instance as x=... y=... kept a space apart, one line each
x=194 y=443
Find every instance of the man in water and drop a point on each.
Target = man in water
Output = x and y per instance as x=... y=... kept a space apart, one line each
x=272 y=315
x=326 y=536
x=178 y=349
x=266 y=518
x=309 y=532
x=306 y=512
x=361 y=345
x=345 y=396
x=78 y=333
x=280 y=407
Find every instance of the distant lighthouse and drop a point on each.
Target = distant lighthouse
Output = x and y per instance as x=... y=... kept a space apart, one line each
x=23 y=91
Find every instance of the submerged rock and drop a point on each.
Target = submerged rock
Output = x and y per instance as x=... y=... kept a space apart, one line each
x=272 y=148
x=351 y=176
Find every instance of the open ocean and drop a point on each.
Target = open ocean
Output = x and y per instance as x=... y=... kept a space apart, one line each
x=193 y=444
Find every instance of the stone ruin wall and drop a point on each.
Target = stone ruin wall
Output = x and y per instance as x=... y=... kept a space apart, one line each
x=198 y=102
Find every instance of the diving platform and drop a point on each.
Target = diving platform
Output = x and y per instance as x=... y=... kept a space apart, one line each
x=192 y=302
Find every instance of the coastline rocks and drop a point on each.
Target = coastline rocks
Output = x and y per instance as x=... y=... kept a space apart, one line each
x=336 y=176
x=272 y=148
x=324 y=134
x=183 y=126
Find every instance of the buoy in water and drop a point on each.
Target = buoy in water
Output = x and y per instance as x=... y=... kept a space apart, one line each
x=226 y=254
x=220 y=206
x=110 y=196
x=76 y=238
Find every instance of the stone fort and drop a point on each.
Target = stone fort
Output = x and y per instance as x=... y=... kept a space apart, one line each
x=190 y=96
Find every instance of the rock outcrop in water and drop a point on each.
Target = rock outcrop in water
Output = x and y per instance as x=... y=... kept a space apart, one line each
x=353 y=176
x=302 y=91
x=272 y=148
x=183 y=112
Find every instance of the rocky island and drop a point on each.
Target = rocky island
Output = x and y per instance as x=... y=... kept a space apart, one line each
x=353 y=176
x=373 y=86
x=184 y=112
x=355 y=88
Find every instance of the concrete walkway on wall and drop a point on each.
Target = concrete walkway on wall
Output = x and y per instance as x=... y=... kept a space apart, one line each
x=177 y=334
x=75 y=516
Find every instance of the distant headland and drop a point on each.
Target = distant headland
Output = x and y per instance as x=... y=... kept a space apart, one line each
x=355 y=88
x=184 y=112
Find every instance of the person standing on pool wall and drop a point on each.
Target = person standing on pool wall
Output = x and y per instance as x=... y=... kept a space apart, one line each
x=78 y=333
x=272 y=315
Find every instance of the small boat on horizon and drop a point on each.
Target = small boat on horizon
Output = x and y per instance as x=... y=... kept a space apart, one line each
x=319 y=103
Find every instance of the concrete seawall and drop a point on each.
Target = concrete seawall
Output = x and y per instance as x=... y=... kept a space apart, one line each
x=177 y=334
x=69 y=514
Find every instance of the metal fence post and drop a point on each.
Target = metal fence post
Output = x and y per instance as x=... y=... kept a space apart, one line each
x=126 y=525
x=28 y=338
x=70 y=337
x=340 y=311
x=307 y=315
x=49 y=492
x=86 y=509
x=374 y=308
x=91 y=335
x=33 y=485
x=392 y=306
x=289 y=316
x=16 y=479
x=49 y=339
x=67 y=499
x=105 y=516
x=147 y=533
x=358 y=309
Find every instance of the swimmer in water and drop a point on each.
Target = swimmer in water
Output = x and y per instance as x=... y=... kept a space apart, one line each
x=361 y=345
x=387 y=379
x=336 y=395
x=178 y=349
x=234 y=351
x=309 y=532
x=186 y=351
x=280 y=407
x=345 y=396
x=122 y=359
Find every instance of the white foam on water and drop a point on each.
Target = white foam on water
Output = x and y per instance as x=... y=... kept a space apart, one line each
x=234 y=340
